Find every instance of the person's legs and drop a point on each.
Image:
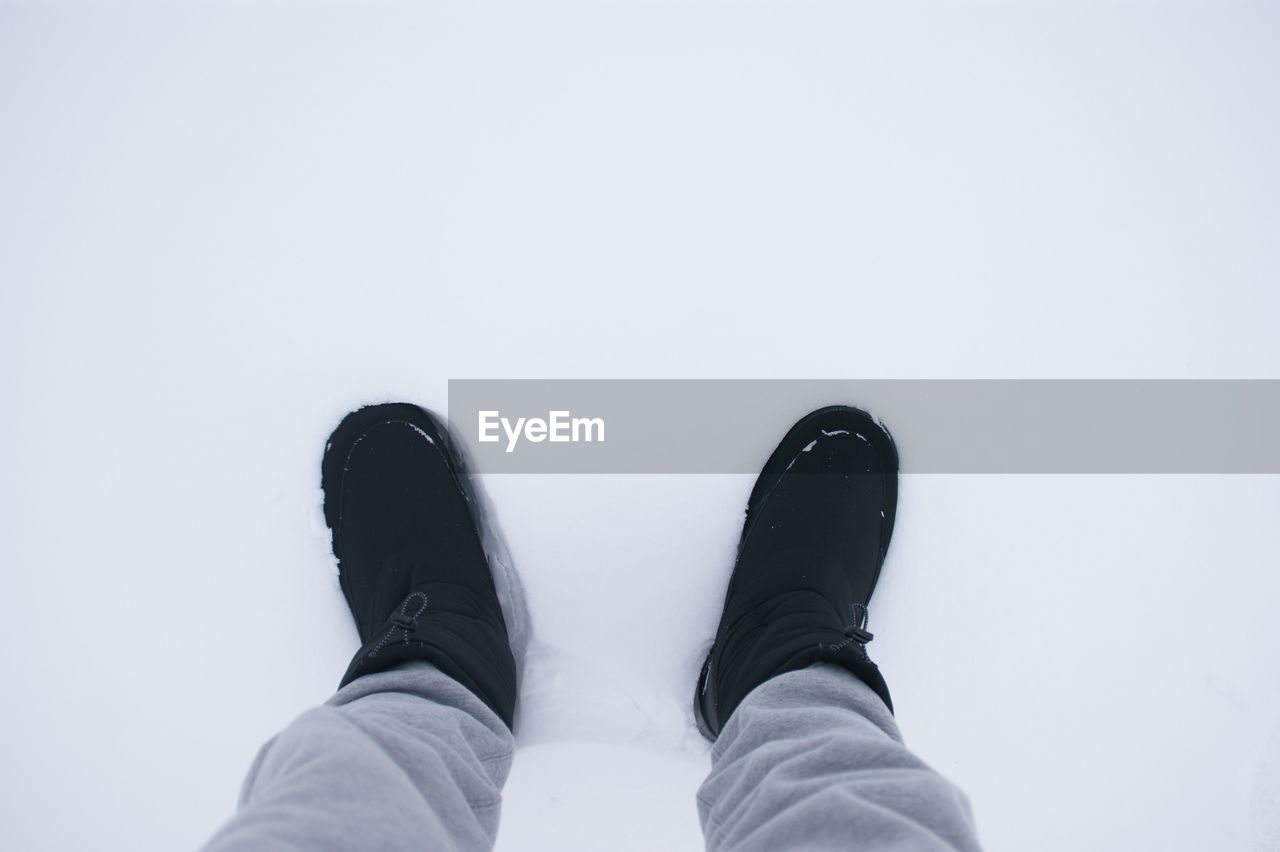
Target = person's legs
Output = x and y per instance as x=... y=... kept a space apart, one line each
x=401 y=759
x=412 y=751
x=812 y=759
x=806 y=754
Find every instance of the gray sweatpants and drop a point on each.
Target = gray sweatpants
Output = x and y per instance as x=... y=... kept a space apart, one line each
x=409 y=759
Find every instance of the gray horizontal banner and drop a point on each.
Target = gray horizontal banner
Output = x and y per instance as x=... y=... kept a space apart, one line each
x=940 y=426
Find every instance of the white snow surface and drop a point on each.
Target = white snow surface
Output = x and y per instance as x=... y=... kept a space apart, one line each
x=222 y=227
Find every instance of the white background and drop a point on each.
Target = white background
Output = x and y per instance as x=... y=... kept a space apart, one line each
x=223 y=227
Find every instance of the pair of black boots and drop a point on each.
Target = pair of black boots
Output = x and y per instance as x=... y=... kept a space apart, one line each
x=407 y=531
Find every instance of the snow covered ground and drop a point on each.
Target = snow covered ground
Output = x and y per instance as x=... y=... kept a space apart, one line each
x=221 y=227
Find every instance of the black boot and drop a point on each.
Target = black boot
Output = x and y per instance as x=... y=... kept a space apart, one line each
x=410 y=560
x=817 y=528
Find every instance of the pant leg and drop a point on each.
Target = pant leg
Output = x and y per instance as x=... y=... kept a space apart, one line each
x=402 y=759
x=812 y=759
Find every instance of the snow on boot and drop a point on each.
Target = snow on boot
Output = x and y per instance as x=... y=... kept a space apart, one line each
x=406 y=532
x=817 y=529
